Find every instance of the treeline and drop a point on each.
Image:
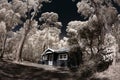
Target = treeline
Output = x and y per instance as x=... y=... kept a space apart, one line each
x=24 y=35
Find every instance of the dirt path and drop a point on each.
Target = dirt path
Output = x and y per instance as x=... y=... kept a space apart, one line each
x=45 y=67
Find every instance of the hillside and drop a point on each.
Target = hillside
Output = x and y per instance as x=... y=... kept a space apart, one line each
x=26 y=71
x=12 y=71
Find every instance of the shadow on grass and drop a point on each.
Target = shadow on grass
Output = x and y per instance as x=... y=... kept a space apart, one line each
x=10 y=71
x=99 y=79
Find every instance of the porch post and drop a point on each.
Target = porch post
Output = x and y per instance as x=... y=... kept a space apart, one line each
x=53 y=58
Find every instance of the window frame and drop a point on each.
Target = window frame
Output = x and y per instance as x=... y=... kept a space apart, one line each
x=63 y=57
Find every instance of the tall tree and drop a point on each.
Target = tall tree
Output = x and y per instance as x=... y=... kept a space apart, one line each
x=34 y=5
x=9 y=19
x=102 y=15
x=52 y=26
x=47 y=36
x=19 y=13
x=94 y=34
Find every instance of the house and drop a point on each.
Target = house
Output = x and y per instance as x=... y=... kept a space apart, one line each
x=55 y=57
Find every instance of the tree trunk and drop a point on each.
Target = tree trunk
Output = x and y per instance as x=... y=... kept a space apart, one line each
x=3 y=48
x=21 y=44
x=20 y=48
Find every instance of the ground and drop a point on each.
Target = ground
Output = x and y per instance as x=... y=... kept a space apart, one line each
x=11 y=71
x=31 y=71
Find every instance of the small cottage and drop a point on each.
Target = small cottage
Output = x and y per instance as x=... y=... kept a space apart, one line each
x=55 y=57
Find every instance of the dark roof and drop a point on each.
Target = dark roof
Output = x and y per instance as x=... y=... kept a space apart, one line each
x=61 y=50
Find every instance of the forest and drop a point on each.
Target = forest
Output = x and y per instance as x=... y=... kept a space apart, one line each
x=26 y=31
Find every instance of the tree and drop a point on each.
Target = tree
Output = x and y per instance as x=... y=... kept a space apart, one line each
x=91 y=34
x=42 y=36
x=2 y=31
x=51 y=26
x=34 y=5
x=94 y=35
x=116 y=33
x=19 y=13
x=9 y=19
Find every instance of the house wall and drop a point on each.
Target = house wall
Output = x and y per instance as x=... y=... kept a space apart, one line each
x=62 y=63
x=56 y=60
x=44 y=62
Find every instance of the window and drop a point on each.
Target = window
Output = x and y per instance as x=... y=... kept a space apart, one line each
x=63 y=56
x=45 y=57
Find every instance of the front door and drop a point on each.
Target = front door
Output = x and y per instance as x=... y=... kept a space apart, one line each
x=50 y=61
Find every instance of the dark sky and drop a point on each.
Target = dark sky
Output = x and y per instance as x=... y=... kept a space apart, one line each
x=66 y=10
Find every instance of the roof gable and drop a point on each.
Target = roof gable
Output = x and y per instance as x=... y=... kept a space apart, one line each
x=49 y=51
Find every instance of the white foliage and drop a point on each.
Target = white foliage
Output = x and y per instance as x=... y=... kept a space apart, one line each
x=19 y=7
x=63 y=43
x=9 y=14
x=18 y=15
x=5 y=4
x=84 y=8
x=33 y=4
x=110 y=44
x=74 y=26
x=49 y=16
x=3 y=1
x=2 y=27
x=3 y=10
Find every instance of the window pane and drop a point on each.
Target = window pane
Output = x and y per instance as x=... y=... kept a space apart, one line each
x=65 y=56
x=60 y=56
